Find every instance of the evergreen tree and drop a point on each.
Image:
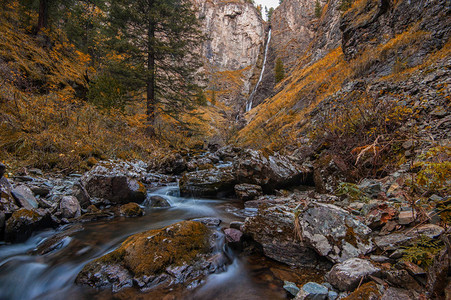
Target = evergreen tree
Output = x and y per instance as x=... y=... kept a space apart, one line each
x=269 y=13
x=159 y=41
x=318 y=9
x=279 y=70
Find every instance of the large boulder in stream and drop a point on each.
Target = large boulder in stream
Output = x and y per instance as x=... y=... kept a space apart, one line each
x=208 y=183
x=24 y=222
x=179 y=254
x=269 y=171
x=273 y=228
x=115 y=182
x=321 y=230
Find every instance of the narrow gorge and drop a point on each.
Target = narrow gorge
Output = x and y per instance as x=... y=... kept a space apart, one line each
x=199 y=149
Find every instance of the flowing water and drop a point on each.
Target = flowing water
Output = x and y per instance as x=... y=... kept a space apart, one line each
x=24 y=275
x=251 y=98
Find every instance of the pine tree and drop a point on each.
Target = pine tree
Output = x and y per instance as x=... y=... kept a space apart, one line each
x=269 y=13
x=318 y=9
x=159 y=41
x=279 y=70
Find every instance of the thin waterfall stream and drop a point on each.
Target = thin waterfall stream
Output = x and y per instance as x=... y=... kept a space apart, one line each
x=251 y=97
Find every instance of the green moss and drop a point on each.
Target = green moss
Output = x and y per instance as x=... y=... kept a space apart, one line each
x=366 y=291
x=131 y=209
x=151 y=252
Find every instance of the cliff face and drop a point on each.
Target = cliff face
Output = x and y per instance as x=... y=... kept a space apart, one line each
x=378 y=53
x=236 y=34
x=293 y=28
x=236 y=37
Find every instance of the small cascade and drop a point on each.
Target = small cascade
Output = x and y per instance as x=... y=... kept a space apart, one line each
x=249 y=101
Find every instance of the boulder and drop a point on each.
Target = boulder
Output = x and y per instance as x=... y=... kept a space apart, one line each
x=157 y=201
x=334 y=233
x=176 y=255
x=208 y=183
x=273 y=228
x=312 y=291
x=270 y=171
x=290 y=287
x=347 y=275
x=70 y=207
x=115 y=183
x=233 y=235
x=25 y=197
x=131 y=209
x=247 y=191
x=23 y=222
x=395 y=240
x=212 y=222
x=7 y=202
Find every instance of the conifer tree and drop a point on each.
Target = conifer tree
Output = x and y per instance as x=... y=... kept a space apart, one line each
x=159 y=41
x=279 y=70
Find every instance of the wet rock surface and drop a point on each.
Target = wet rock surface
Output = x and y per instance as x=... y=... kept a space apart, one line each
x=23 y=222
x=115 y=183
x=174 y=255
x=347 y=275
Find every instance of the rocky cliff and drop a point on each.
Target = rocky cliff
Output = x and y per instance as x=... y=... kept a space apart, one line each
x=236 y=37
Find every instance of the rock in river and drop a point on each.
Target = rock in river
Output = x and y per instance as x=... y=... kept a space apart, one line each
x=174 y=255
x=108 y=181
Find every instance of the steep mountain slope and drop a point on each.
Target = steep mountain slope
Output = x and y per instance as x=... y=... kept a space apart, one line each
x=392 y=66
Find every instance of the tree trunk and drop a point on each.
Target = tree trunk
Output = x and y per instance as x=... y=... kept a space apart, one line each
x=151 y=100
x=43 y=18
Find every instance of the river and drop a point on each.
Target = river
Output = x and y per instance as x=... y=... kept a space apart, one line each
x=24 y=275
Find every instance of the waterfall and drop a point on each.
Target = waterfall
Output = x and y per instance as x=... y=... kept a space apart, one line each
x=249 y=101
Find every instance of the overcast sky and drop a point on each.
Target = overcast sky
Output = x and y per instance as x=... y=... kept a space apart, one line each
x=268 y=4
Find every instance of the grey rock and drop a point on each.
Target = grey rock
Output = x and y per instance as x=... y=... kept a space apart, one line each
x=332 y=295
x=406 y=217
x=347 y=275
x=370 y=187
x=247 y=191
x=208 y=183
x=116 y=182
x=7 y=202
x=312 y=291
x=25 y=197
x=157 y=201
x=334 y=233
x=233 y=235
x=290 y=287
x=273 y=228
x=212 y=222
x=395 y=240
x=70 y=207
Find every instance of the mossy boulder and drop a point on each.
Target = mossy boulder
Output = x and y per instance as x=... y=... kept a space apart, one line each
x=131 y=209
x=23 y=222
x=174 y=255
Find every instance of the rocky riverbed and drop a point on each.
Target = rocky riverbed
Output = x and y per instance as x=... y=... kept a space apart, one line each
x=366 y=241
